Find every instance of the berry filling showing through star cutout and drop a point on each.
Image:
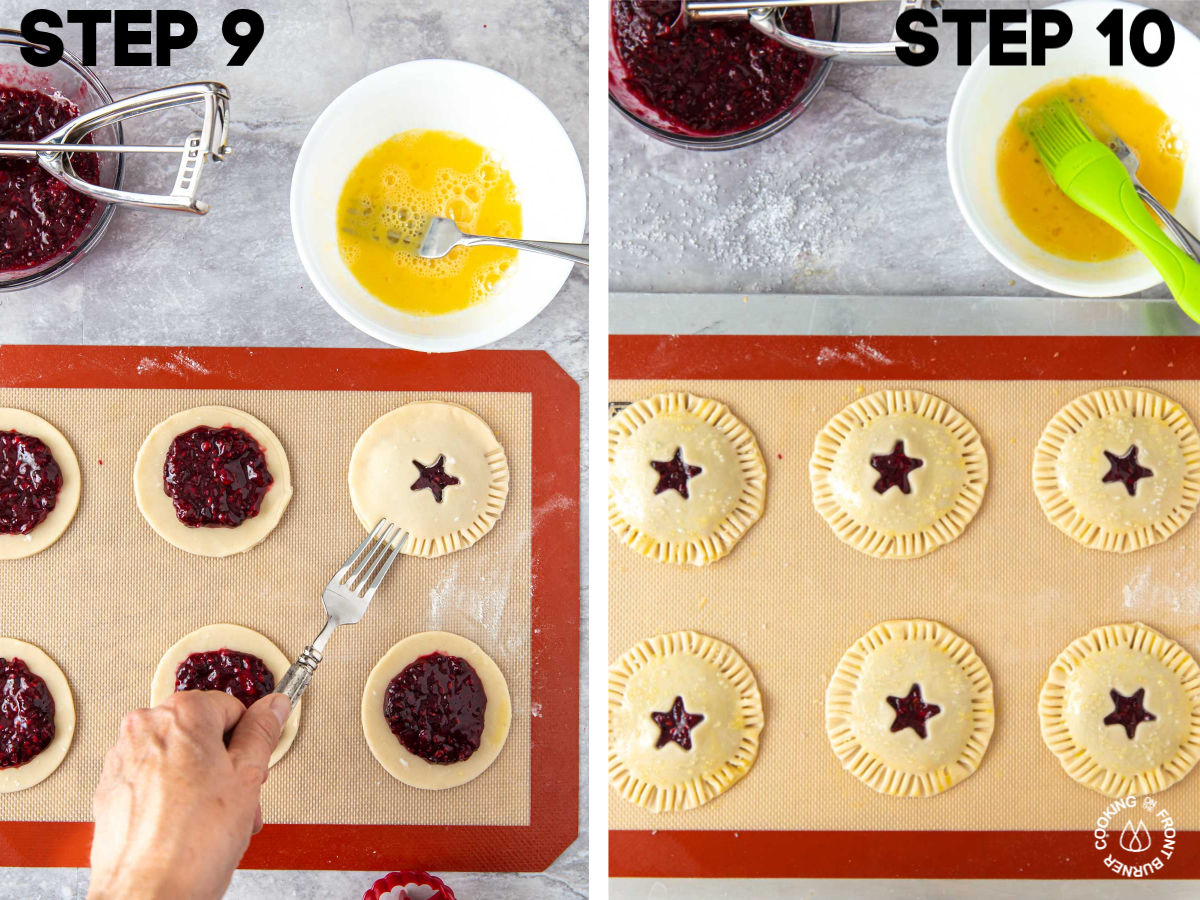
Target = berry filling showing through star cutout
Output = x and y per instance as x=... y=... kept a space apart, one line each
x=912 y=712
x=1126 y=469
x=894 y=468
x=676 y=725
x=1129 y=712
x=434 y=477
x=674 y=473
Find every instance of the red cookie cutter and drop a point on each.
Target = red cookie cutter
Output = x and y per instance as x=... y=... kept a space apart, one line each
x=393 y=880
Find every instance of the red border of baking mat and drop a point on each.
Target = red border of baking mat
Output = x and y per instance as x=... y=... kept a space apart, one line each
x=885 y=854
x=554 y=800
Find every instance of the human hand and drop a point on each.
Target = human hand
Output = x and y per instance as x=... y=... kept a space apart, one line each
x=175 y=808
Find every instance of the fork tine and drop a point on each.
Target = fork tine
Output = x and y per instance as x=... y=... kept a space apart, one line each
x=355 y=556
x=370 y=559
x=386 y=564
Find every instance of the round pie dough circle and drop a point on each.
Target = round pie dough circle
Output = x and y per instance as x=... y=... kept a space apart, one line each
x=51 y=528
x=43 y=765
x=1069 y=466
x=725 y=498
x=946 y=491
x=714 y=681
x=1075 y=701
x=158 y=509
x=382 y=474
x=226 y=637
x=386 y=747
x=887 y=662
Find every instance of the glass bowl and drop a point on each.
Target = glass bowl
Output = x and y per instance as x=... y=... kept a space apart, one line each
x=826 y=24
x=72 y=80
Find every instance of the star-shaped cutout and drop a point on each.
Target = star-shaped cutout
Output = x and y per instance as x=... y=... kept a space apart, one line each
x=1128 y=712
x=912 y=712
x=893 y=470
x=1126 y=469
x=676 y=725
x=434 y=477
x=673 y=474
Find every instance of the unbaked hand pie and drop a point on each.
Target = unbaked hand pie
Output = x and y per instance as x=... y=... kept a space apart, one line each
x=685 y=478
x=230 y=658
x=39 y=483
x=37 y=715
x=909 y=710
x=1121 y=710
x=1118 y=469
x=434 y=468
x=898 y=474
x=684 y=717
x=436 y=710
x=213 y=481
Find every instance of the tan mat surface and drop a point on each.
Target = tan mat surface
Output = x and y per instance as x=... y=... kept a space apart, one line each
x=791 y=598
x=111 y=596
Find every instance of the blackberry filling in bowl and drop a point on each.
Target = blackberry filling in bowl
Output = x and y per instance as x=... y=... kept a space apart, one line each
x=45 y=226
x=711 y=84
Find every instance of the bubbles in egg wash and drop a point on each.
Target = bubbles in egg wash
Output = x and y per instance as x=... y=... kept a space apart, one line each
x=385 y=209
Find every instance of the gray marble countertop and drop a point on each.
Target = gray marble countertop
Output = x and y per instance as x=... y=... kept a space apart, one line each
x=851 y=198
x=232 y=278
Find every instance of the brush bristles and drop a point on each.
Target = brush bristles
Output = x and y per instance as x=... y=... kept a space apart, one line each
x=1056 y=130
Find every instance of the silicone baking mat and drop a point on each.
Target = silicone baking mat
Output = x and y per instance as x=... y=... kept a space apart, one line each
x=111 y=596
x=791 y=598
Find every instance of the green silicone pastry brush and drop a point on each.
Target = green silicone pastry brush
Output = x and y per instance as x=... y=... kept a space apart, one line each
x=1090 y=174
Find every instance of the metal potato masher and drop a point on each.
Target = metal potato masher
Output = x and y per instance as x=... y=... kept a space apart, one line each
x=767 y=17
x=53 y=152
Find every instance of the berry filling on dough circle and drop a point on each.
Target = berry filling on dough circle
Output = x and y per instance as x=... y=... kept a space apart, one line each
x=436 y=710
x=230 y=658
x=242 y=676
x=686 y=478
x=213 y=481
x=37 y=715
x=433 y=468
x=39 y=484
x=216 y=477
x=26 y=714
x=29 y=482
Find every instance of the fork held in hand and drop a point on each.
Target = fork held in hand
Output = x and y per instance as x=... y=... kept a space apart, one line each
x=346 y=598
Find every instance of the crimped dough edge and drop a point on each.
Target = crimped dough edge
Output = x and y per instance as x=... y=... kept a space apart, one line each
x=750 y=503
x=1061 y=510
x=906 y=545
x=495 y=500
x=869 y=768
x=1077 y=761
x=693 y=792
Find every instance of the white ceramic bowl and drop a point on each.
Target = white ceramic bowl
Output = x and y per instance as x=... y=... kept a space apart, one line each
x=490 y=109
x=985 y=102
